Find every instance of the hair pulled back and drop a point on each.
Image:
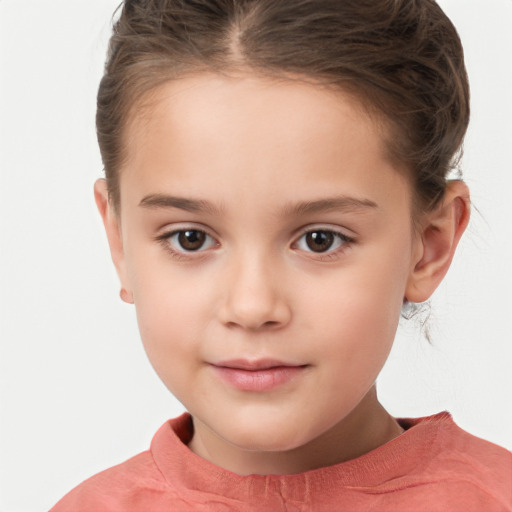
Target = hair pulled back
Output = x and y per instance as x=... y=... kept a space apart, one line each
x=402 y=58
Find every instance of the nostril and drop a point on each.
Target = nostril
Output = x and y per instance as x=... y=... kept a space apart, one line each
x=270 y=324
x=265 y=325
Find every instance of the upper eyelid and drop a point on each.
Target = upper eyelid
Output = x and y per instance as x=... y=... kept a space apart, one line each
x=344 y=232
x=167 y=230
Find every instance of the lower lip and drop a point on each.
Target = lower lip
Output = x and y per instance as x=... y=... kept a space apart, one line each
x=259 y=380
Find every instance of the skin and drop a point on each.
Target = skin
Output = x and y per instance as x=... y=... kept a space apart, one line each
x=254 y=149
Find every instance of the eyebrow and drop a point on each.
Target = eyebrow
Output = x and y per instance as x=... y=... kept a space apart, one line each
x=339 y=203
x=158 y=201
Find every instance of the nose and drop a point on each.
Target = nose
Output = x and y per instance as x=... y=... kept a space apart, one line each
x=254 y=296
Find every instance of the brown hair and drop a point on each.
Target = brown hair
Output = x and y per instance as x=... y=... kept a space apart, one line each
x=402 y=58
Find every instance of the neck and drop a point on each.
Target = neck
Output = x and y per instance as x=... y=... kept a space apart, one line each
x=367 y=427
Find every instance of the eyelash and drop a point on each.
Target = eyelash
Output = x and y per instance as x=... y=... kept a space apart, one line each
x=328 y=255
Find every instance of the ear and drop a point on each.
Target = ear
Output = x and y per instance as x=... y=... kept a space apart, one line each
x=437 y=241
x=114 y=236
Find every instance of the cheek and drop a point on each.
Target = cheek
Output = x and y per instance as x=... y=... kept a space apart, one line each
x=358 y=309
x=165 y=292
x=359 y=325
x=171 y=315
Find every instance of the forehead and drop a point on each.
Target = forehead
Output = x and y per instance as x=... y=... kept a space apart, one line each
x=227 y=135
x=229 y=100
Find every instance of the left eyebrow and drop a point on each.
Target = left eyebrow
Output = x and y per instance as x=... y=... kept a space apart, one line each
x=343 y=203
x=158 y=201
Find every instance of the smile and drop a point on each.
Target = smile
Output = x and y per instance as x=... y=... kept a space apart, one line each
x=257 y=376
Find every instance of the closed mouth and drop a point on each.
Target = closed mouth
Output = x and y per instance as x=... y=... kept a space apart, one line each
x=256 y=365
x=258 y=376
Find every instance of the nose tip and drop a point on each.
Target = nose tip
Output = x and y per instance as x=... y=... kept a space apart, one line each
x=255 y=301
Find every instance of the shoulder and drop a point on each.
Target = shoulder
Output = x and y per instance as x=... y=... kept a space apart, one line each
x=136 y=484
x=473 y=471
x=115 y=488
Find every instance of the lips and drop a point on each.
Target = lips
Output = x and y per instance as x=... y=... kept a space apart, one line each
x=259 y=375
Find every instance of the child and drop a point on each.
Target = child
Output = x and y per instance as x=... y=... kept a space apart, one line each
x=275 y=194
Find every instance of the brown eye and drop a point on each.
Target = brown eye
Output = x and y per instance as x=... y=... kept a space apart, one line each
x=319 y=241
x=187 y=241
x=191 y=240
x=322 y=241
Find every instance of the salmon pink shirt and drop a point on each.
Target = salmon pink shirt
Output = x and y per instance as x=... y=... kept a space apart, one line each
x=433 y=466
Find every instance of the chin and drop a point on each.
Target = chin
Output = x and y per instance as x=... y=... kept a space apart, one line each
x=259 y=435
x=266 y=444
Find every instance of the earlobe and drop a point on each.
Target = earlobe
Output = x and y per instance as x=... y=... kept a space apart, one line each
x=438 y=239
x=114 y=236
x=126 y=296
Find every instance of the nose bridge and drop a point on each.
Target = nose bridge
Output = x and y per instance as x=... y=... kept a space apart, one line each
x=255 y=296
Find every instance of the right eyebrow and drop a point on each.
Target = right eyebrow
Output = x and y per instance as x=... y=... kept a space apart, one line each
x=159 y=201
x=342 y=203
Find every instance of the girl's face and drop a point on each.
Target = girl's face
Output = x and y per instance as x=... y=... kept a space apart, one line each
x=267 y=242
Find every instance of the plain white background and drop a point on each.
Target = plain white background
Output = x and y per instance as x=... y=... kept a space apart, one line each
x=77 y=392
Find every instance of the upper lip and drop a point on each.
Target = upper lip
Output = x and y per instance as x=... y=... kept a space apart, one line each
x=255 y=365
